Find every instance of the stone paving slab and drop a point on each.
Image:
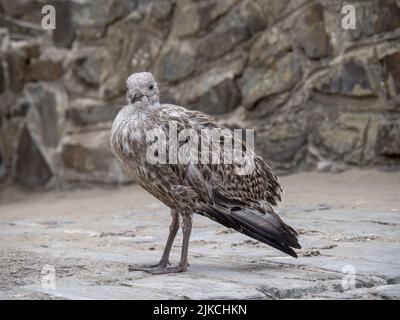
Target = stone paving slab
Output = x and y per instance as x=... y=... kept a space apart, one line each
x=91 y=236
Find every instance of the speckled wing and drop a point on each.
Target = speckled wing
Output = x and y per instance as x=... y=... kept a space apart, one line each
x=221 y=179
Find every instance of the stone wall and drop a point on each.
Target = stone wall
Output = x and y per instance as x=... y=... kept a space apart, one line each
x=319 y=97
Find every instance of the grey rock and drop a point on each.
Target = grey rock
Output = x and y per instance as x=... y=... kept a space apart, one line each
x=388 y=140
x=223 y=98
x=157 y=10
x=310 y=32
x=364 y=27
x=266 y=107
x=26 y=10
x=391 y=64
x=64 y=33
x=9 y=132
x=2 y=79
x=192 y=90
x=91 y=19
x=3 y=169
x=16 y=8
x=4 y=39
x=241 y=23
x=87 y=67
x=129 y=49
x=176 y=65
x=375 y=17
x=17 y=58
x=260 y=81
x=86 y=13
x=44 y=69
x=352 y=79
x=87 y=157
x=387 y=15
x=280 y=143
x=45 y=101
x=89 y=111
x=342 y=137
x=82 y=153
x=16 y=63
x=195 y=17
x=31 y=169
x=270 y=46
x=275 y=9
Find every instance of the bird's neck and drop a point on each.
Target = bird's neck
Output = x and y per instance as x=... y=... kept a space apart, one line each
x=141 y=106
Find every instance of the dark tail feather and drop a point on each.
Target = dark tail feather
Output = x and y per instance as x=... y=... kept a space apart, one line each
x=267 y=228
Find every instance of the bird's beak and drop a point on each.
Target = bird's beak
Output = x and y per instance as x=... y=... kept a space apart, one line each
x=134 y=97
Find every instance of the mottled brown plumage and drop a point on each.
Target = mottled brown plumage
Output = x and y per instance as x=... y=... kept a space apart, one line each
x=241 y=202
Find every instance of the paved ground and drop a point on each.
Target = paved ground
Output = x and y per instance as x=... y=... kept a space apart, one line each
x=348 y=224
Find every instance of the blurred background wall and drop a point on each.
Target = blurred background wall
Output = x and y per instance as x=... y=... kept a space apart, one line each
x=319 y=97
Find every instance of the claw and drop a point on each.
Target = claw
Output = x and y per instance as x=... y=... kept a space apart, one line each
x=166 y=270
x=149 y=267
x=158 y=268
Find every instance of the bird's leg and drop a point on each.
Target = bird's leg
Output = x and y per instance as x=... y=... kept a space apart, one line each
x=173 y=229
x=186 y=230
x=183 y=264
x=164 y=261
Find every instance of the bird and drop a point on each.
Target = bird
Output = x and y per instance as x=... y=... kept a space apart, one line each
x=243 y=202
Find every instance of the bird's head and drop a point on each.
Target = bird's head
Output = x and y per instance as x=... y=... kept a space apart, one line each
x=141 y=87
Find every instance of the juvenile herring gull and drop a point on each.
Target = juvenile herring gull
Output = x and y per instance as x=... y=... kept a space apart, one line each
x=243 y=202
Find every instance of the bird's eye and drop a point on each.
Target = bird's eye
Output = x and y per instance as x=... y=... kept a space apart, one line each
x=151 y=87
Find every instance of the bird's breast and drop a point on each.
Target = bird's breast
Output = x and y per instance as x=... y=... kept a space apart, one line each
x=130 y=139
x=127 y=138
